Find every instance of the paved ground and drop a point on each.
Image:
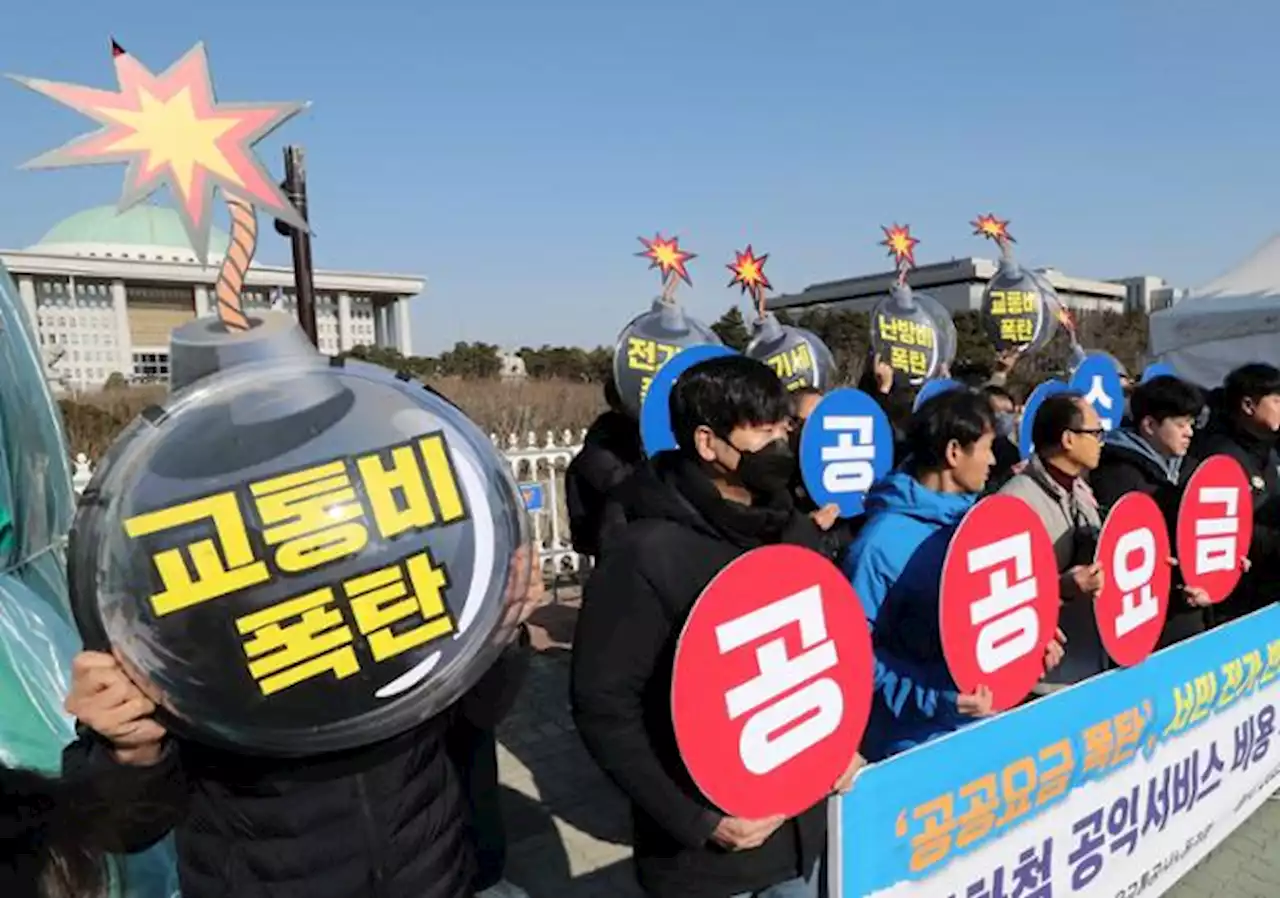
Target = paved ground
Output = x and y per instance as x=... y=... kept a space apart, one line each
x=568 y=827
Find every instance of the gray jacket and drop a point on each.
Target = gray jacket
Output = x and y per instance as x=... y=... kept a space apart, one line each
x=1073 y=522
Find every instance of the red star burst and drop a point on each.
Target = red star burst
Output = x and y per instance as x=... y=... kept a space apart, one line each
x=667 y=256
x=748 y=272
x=171 y=131
x=902 y=246
x=992 y=228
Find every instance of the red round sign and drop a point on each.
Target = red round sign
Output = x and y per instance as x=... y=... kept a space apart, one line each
x=1215 y=526
x=1133 y=552
x=999 y=600
x=772 y=683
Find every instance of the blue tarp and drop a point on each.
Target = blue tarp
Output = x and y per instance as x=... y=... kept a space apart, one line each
x=37 y=636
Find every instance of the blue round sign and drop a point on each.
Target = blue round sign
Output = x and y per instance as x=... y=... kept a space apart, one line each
x=846 y=445
x=931 y=388
x=1029 y=409
x=1158 y=369
x=655 y=413
x=1098 y=379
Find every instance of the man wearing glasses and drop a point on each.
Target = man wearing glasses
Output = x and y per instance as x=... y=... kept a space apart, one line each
x=1067 y=439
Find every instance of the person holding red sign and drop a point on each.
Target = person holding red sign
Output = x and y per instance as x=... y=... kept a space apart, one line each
x=1244 y=426
x=895 y=566
x=1067 y=438
x=689 y=513
x=1146 y=456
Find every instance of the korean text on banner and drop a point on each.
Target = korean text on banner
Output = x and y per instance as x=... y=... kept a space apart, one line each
x=1114 y=787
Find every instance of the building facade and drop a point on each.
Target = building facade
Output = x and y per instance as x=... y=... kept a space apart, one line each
x=105 y=289
x=959 y=284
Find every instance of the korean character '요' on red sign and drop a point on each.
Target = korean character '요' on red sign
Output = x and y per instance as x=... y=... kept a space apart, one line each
x=311 y=517
x=394 y=615
x=296 y=640
x=1122 y=822
x=1253 y=738
x=223 y=561
x=401 y=484
x=933 y=843
x=1086 y=858
x=1033 y=876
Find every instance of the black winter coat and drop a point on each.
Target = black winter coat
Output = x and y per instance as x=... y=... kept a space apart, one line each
x=610 y=451
x=1123 y=470
x=1257 y=455
x=383 y=821
x=633 y=610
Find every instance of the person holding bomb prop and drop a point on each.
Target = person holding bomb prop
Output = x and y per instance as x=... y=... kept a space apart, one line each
x=293 y=576
x=691 y=513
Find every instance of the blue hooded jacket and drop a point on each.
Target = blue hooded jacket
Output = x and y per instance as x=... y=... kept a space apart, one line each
x=895 y=566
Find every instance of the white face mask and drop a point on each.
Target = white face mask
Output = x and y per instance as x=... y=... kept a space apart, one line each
x=1005 y=424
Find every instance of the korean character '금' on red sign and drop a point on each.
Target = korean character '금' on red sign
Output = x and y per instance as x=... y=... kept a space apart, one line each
x=400 y=489
x=311 y=517
x=223 y=562
x=296 y=640
x=382 y=603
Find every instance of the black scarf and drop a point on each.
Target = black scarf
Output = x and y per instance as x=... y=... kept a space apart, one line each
x=747 y=526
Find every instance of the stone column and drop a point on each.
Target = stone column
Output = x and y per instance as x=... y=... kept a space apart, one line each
x=124 y=342
x=404 y=338
x=202 y=300
x=345 y=339
x=27 y=290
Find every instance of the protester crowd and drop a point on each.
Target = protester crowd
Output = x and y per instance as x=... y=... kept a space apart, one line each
x=408 y=818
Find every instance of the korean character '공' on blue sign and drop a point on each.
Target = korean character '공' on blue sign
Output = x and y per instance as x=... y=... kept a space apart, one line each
x=847 y=445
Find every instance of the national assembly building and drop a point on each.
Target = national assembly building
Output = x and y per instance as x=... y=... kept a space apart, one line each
x=105 y=289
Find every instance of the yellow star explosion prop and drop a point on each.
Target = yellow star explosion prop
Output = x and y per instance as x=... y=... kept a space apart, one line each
x=171 y=132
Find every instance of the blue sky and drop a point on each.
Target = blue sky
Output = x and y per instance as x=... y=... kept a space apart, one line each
x=513 y=151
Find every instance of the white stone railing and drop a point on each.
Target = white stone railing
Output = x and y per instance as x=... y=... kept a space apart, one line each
x=532 y=461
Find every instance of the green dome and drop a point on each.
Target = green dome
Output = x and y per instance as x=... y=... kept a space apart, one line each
x=159 y=227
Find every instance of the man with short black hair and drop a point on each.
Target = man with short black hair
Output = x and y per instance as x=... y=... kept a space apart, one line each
x=1146 y=456
x=1067 y=438
x=895 y=566
x=688 y=513
x=1244 y=425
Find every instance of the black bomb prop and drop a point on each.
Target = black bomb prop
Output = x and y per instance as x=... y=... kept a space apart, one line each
x=795 y=354
x=911 y=331
x=295 y=555
x=1020 y=308
x=649 y=340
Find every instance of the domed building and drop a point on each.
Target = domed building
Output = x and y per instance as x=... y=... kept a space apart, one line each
x=107 y=288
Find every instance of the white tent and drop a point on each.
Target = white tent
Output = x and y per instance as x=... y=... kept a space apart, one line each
x=1224 y=324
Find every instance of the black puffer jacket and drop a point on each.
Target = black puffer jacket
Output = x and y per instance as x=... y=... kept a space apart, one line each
x=384 y=821
x=610 y=452
x=664 y=554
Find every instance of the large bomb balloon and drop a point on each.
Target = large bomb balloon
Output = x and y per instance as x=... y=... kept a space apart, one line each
x=795 y=354
x=911 y=331
x=650 y=339
x=1020 y=309
x=295 y=555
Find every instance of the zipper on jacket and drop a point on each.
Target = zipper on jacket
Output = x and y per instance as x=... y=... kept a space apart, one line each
x=373 y=848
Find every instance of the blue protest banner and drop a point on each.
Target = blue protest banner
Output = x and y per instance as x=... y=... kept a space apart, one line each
x=1098 y=378
x=534 y=497
x=655 y=413
x=1116 y=786
x=1029 y=409
x=1158 y=369
x=846 y=445
x=931 y=388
